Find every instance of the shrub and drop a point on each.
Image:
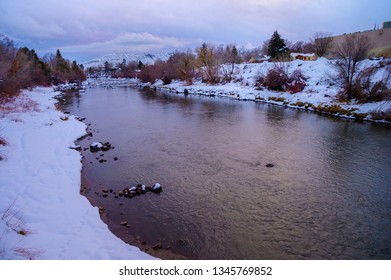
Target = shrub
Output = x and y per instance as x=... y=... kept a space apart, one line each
x=365 y=90
x=277 y=78
x=378 y=115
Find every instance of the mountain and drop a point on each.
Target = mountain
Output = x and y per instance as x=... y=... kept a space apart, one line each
x=114 y=59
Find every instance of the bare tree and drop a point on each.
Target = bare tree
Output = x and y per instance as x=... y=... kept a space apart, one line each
x=349 y=54
x=321 y=42
x=301 y=47
x=208 y=63
x=186 y=67
x=230 y=58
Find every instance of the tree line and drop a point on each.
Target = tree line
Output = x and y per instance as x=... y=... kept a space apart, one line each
x=213 y=64
x=22 y=68
x=216 y=64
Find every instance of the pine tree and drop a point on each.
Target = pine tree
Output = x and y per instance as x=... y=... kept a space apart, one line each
x=277 y=46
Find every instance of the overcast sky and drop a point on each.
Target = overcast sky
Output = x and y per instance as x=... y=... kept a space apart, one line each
x=84 y=29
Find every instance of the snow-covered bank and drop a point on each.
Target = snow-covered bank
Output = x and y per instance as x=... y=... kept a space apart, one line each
x=319 y=94
x=42 y=214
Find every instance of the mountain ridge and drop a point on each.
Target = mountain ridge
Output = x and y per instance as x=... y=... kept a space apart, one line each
x=116 y=58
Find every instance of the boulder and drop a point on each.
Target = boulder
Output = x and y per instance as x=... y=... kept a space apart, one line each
x=106 y=146
x=157 y=246
x=96 y=146
x=156 y=188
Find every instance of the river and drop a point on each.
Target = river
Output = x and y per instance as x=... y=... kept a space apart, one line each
x=328 y=195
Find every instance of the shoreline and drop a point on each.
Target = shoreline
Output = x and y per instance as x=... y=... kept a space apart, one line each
x=275 y=99
x=123 y=232
x=42 y=214
x=318 y=96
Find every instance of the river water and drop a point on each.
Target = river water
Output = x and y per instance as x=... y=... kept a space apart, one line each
x=328 y=195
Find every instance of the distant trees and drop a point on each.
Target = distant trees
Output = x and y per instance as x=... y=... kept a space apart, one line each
x=277 y=47
x=179 y=66
x=301 y=47
x=321 y=42
x=22 y=68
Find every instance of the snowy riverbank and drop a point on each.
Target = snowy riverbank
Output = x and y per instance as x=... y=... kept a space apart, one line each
x=42 y=214
x=319 y=94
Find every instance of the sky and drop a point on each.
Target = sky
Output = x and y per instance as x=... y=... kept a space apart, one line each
x=85 y=29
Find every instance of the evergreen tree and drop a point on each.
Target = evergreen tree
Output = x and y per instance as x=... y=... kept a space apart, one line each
x=140 y=65
x=277 y=46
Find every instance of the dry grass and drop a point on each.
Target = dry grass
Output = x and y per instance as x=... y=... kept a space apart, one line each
x=28 y=253
x=13 y=220
x=3 y=142
x=19 y=104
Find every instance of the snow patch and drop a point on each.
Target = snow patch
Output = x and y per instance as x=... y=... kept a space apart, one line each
x=40 y=178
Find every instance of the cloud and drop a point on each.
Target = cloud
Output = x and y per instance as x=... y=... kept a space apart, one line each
x=102 y=26
x=129 y=42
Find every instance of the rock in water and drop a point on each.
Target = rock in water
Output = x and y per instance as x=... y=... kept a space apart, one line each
x=106 y=146
x=270 y=165
x=96 y=146
x=157 y=188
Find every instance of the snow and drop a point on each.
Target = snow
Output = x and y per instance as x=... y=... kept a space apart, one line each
x=42 y=214
x=321 y=89
x=117 y=58
x=97 y=145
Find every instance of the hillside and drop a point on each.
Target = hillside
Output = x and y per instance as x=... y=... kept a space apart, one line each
x=320 y=93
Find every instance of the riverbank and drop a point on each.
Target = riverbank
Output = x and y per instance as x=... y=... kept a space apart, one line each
x=42 y=214
x=319 y=94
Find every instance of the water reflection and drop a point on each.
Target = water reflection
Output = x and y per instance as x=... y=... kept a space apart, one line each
x=327 y=197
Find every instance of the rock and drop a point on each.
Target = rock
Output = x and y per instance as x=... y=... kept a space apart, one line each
x=105 y=195
x=124 y=223
x=76 y=147
x=270 y=165
x=106 y=146
x=144 y=243
x=95 y=147
x=157 y=246
x=105 y=191
x=133 y=189
x=143 y=189
x=156 y=188
x=102 y=160
x=101 y=210
x=80 y=118
x=115 y=158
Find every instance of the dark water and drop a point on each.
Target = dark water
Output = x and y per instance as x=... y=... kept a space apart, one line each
x=327 y=197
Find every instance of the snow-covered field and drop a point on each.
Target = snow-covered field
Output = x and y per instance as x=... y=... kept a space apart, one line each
x=320 y=90
x=42 y=214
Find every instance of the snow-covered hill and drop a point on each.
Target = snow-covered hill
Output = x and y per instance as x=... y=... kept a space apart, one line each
x=114 y=59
